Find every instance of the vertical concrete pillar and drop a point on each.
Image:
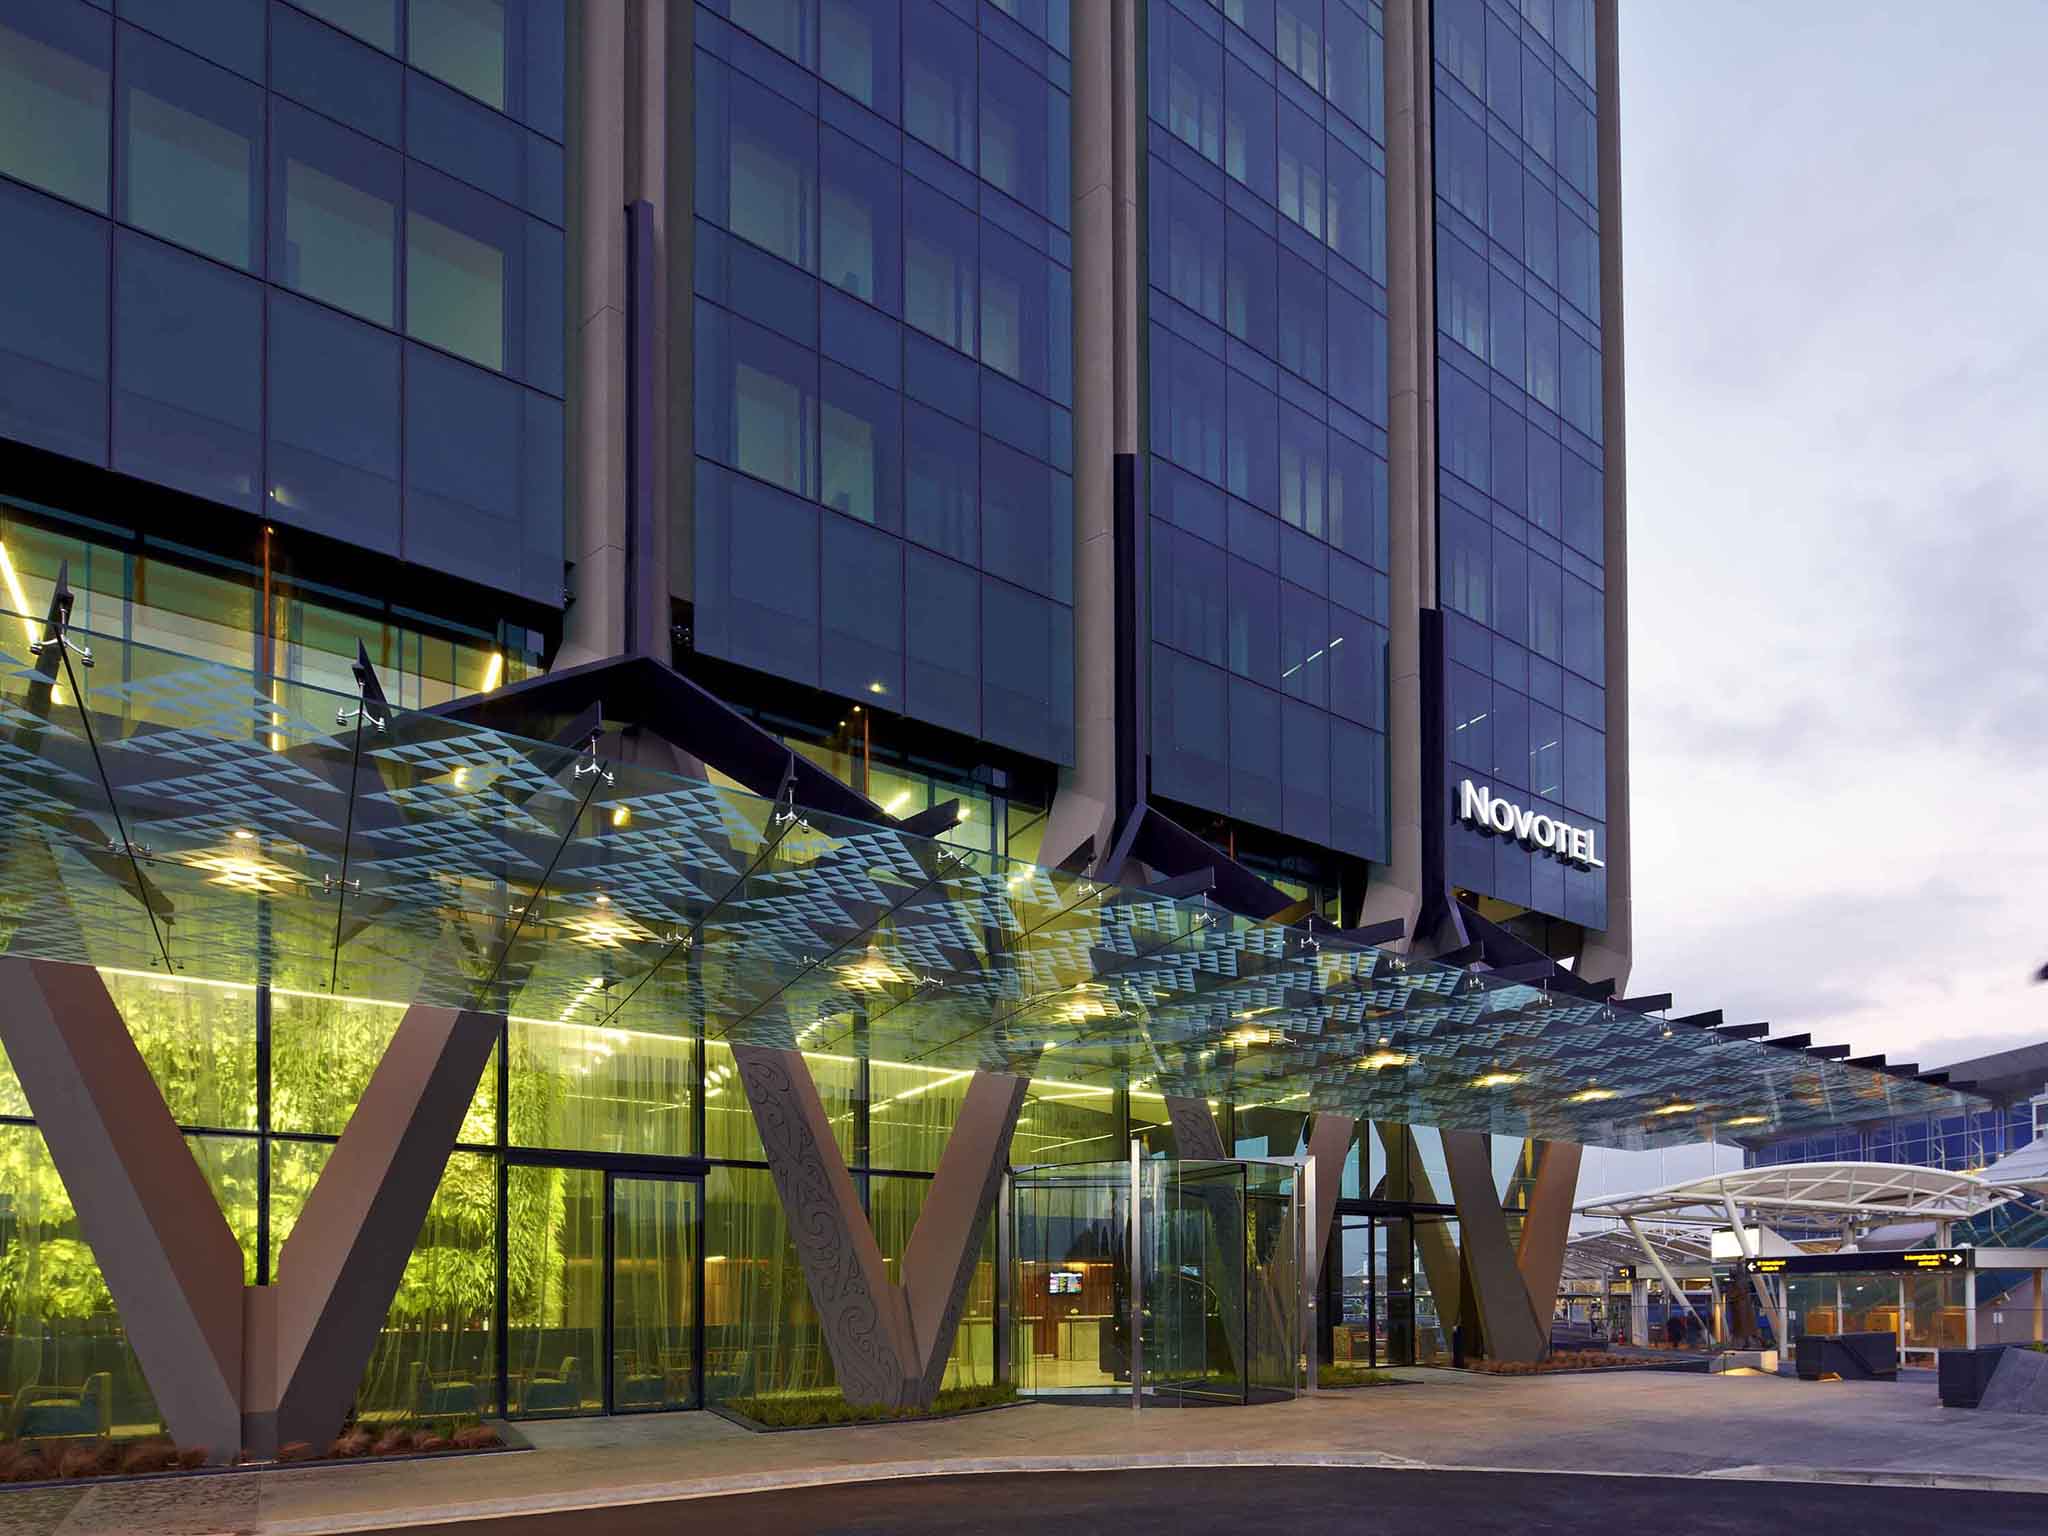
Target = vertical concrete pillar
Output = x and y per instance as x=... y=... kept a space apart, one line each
x=1547 y=1224
x=1506 y=1315
x=338 y=1271
x=1609 y=954
x=172 y=1265
x=1396 y=889
x=888 y=1342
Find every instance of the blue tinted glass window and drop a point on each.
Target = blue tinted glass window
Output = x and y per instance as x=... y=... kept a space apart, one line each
x=1255 y=16
x=187 y=381
x=1304 y=646
x=464 y=266
x=1254 y=425
x=1510 y=616
x=1253 y=279
x=1504 y=196
x=1546 y=483
x=757 y=401
x=758 y=598
x=467 y=43
x=860 y=448
x=1585 y=769
x=1462 y=427
x=1464 y=560
x=1546 y=752
x=229 y=32
x=1546 y=608
x=1461 y=161
x=1190 y=726
x=1510 y=736
x=1358 y=499
x=1303 y=325
x=1252 y=150
x=335 y=74
x=452 y=133
x=1027 y=649
x=1539 y=106
x=1545 y=366
x=1187 y=84
x=191 y=139
x=1575 y=149
x=942 y=622
x=757 y=164
x=1188 y=404
x=862 y=612
x=1358 y=355
x=1503 y=71
x=1510 y=464
x=1298 y=38
x=1255 y=623
x=1357 y=657
x=939 y=265
x=860 y=222
x=1027 y=521
x=1305 y=770
x=1301 y=169
x=938 y=80
x=334 y=214
x=55 y=62
x=53 y=325
x=1190 y=606
x=1504 y=326
x=1357 y=196
x=1187 y=243
x=942 y=489
x=333 y=461
x=1579 y=382
x=1025 y=307
x=1354 y=65
x=1303 y=450
x=1254 y=753
x=788 y=26
x=1539 y=228
x=859 y=51
x=1584 y=629
x=1358 y=793
x=374 y=21
x=1584 y=512
x=1461 y=41
x=1461 y=282
x=1023 y=130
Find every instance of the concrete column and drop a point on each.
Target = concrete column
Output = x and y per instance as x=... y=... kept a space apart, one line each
x=594 y=627
x=2037 y=1306
x=888 y=1342
x=1396 y=889
x=1105 y=420
x=155 y=1229
x=1547 y=1224
x=1507 y=1315
x=1609 y=954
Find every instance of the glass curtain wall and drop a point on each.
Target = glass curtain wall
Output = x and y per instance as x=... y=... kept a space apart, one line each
x=1521 y=512
x=1266 y=381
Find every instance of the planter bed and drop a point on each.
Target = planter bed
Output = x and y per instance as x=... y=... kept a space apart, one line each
x=110 y=1467
x=828 y=1410
x=1606 y=1365
x=1334 y=1381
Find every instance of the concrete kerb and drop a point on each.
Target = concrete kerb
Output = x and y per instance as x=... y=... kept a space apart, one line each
x=820 y=1477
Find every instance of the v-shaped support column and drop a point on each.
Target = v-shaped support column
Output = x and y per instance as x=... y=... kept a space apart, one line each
x=1507 y=1312
x=234 y=1366
x=889 y=1342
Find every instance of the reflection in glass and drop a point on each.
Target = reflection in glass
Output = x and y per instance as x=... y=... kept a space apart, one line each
x=53 y=101
x=654 y=1294
x=455 y=289
x=462 y=42
x=337 y=199
x=192 y=137
x=761 y=1332
x=554 y=1254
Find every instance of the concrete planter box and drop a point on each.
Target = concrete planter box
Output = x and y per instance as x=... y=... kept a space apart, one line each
x=1963 y=1374
x=1851 y=1356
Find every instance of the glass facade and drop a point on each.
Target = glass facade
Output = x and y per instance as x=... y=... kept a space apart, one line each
x=1520 y=510
x=1266 y=299
x=1964 y=1143
x=299 y=263
x=883 y=357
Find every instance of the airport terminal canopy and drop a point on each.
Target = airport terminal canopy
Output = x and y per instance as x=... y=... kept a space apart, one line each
x=1844 y=1196
x=1593 y=1257
x=176 y=816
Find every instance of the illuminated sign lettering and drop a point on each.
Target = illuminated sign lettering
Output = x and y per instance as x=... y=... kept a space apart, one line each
x=1908 y=1261
x=1480 y=807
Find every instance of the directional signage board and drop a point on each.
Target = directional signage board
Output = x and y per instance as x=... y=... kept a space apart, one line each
x=1907 y=1262
x=1624 y=1271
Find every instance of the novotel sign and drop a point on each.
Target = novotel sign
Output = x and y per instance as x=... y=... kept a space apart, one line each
x=1480 y=807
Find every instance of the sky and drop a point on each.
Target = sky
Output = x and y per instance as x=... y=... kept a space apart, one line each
x=1837 y=353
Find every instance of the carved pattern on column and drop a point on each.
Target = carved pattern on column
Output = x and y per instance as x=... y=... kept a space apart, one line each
x=1195 y=1135
x=889 y=1341
x=833 y=1239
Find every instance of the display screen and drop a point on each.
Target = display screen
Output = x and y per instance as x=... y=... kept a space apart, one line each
x=1063 y=1282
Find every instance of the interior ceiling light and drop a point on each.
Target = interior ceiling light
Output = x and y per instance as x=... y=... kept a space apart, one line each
x=1749 y=1120
x=1590 y=1096
x=1379 y=1061
x=870 y=973
x=1496 y=1079
x=1680 y=1108
x=1242 y=1038
x=241 y=871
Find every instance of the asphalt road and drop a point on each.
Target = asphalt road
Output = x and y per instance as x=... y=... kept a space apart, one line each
x=1255 y=1501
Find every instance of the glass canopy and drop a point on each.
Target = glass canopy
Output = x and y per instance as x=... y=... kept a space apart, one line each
x=164 y=811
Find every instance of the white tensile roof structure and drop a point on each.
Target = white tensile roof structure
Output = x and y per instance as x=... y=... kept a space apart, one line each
x=1846 y=1196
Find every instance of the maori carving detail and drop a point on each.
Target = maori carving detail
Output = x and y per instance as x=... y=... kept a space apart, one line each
x=821 y=1224
x=1194 y=1127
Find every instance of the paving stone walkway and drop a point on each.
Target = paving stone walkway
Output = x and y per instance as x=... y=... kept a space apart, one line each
x=1648 y=1423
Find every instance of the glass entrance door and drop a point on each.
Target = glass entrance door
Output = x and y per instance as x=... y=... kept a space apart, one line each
x=654 y=1323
